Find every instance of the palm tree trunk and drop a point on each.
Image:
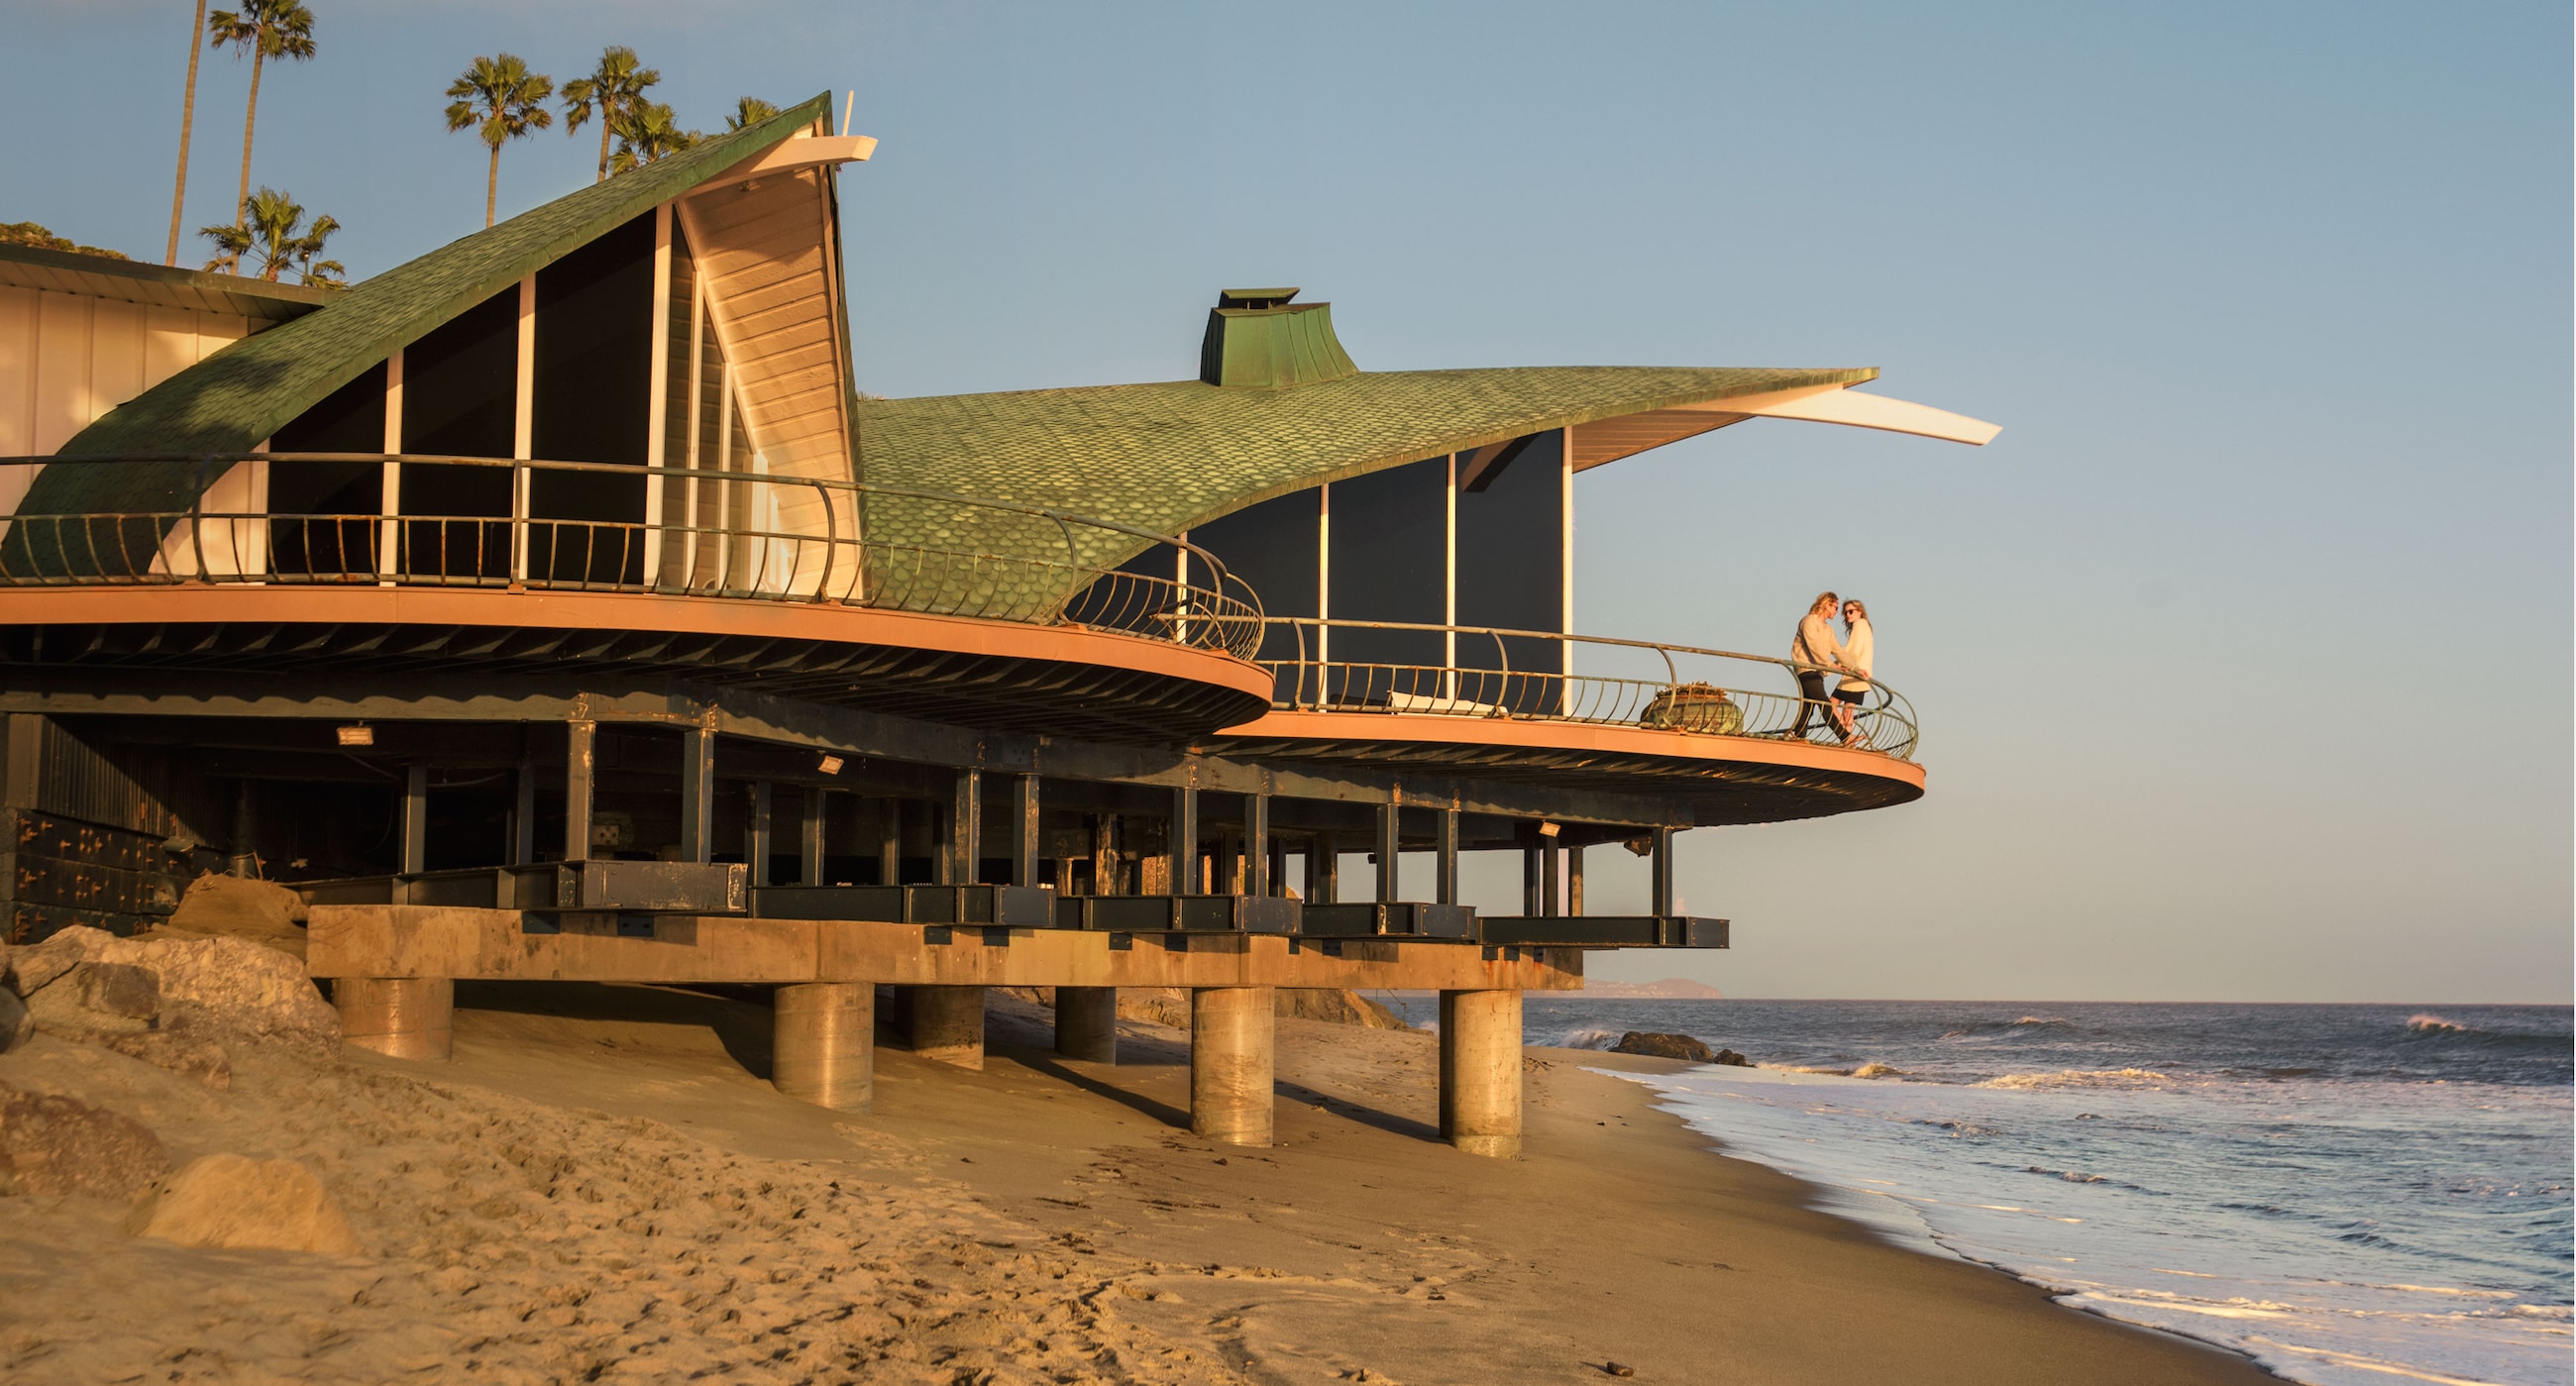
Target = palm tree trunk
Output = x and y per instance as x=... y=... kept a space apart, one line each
x=250 y=117
x=187 y=118
x=603 y=144
x=492 y=189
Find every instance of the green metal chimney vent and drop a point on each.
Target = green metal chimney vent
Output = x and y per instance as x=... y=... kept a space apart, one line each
x=1258 y=340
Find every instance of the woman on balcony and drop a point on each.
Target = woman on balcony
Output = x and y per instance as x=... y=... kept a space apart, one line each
x=1853 y=687
x=1816 y=650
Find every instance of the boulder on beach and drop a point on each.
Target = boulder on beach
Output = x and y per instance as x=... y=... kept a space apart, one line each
x=1659 y=1045
x=60 y=1145
x=238 y=1203
x=262 y=912
x=214 y=987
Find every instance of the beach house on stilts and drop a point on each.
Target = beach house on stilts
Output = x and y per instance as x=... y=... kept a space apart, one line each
x=553 y=607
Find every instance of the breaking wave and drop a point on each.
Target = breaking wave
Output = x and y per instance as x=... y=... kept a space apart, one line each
x=2427 y=1023
x=2080 y=1078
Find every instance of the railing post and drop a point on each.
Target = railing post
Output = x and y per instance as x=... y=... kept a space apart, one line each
x=519 y=505
x=196 y=518
x=831 y=542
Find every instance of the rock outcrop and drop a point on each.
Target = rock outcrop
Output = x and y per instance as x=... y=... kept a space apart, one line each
x=215 y=906
x=60 y=1145
x=1657 y=1044
x=216 y=988
x=238 y=1203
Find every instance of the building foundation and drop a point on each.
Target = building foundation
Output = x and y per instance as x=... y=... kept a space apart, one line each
x=400 y=1017
x=948 y=1025
x=823 y=1047
x=1086 y=1023
x=1232 y=1049
x=1480 y=1072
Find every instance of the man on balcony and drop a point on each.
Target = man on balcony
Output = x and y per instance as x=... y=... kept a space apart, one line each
x=1816 y=650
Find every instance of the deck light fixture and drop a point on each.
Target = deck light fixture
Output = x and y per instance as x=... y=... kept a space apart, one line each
x=830 y=764
x=358 y=734
x=1549 y=830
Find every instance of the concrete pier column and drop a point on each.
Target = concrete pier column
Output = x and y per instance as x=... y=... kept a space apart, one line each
x=823 y=1048
x=1480 y=1071
x=1232 y=1045
x=948 y=1025
x=402 y=1017
x=1086 y=1023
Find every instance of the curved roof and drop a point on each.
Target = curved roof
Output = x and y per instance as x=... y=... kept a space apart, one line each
x=1178 y=454
x=232 y=400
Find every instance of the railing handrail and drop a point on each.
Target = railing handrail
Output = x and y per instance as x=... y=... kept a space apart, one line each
x=1221 y=609
x=1892 y=704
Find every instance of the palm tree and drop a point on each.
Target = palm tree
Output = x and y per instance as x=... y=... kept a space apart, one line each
x=507 y=101
x=271 y=226
x=649 y=134
x=749 y=110
x=611 y=92
x=265 y=29
x=187 y=121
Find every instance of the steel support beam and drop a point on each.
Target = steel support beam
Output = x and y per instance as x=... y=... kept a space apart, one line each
x=1447 y=849
x=698 y=793
x=1256 y=844
x=1662 y=888
x=1549 y=864
x=890 y=842
x=966 y=828
x=1024 y=831
x=1574 y=880
x=755 y=834
x=1184 y=844
x=1529 y=882
x=1390 y=852
x=523 y=818
x=415 y=819
x=581 y=765
x=809 y=837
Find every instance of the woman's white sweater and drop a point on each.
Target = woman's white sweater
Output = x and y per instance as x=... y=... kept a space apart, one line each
x=1857 y=653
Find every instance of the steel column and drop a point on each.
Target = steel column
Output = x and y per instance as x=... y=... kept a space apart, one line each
x=755 y=834
x=1024 y=831
x=1529 y=882
x=966 y=828
x=1549 y=902
x=415 y=819
x=523 y=822
x=1447 y=849
x=581 y=763
x=1574 y=880
x=1323 y=868
x=809 y=837
x=1184 y=842
x=1662 y=858
x=1256 y=844
x=890 y=842
x=698 y=793
x=1390 y=852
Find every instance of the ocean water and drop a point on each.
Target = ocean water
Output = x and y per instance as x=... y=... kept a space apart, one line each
x=2348 y=1194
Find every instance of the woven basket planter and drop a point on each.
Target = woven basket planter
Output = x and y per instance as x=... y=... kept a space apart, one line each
x=1696 y=707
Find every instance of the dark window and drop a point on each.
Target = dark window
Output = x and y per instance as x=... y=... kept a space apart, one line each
x=1390 y=541
x=1511 y=574
x=591 y=401
x=1271 y=547
x=460 y=398
x=343 y=496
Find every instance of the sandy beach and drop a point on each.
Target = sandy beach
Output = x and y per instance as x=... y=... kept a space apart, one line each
x=601 y=1185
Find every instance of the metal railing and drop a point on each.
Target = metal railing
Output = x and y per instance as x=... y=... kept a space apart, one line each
x=440 y=521
x=1481 y=671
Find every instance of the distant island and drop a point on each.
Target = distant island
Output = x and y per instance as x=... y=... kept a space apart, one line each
x=1669 y=989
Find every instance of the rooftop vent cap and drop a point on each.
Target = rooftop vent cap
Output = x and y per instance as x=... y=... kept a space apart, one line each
x=1258 y=340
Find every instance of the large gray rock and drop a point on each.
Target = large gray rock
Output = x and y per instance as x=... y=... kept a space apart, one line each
x=97 y=998
x=262 y=912
x=236 y=1202
x=60 y=1145
x=216 y=988
x=1657 y=1044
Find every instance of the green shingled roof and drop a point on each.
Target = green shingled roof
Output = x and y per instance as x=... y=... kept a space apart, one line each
x=1168 y=457
x=247 y=391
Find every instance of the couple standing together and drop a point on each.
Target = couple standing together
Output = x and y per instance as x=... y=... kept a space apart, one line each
x=1817 y=652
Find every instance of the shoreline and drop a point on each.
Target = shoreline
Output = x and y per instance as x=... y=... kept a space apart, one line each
x=1046 y=1215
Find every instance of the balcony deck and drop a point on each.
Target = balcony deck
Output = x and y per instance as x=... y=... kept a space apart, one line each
x=1700 y=732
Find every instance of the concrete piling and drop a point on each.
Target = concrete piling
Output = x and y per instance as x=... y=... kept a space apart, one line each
x=823 y=1048
x=401 y=1017
x=1086 y=1023
x=948 y=1025
x=1232 y=1048
x=1480 y=1071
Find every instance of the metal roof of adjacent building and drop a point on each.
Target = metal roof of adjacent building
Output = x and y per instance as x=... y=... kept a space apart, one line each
x=158 y=286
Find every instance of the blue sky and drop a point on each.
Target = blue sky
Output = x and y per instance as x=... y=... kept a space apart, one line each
x=2243 y=655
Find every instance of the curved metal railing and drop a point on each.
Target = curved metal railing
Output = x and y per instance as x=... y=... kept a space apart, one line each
x=1482 y=671
x=442 y=521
